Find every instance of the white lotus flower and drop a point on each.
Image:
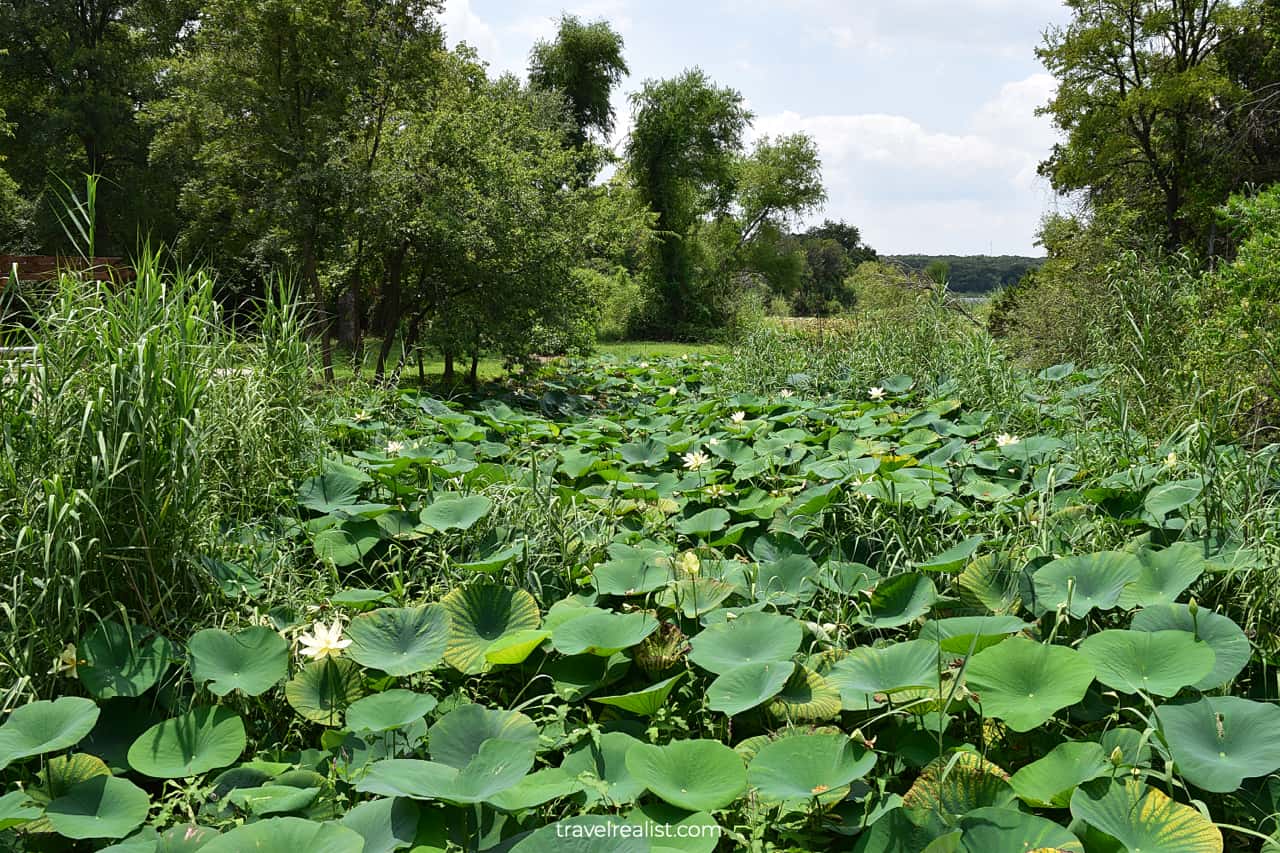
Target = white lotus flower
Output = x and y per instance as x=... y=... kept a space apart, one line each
x=696 y=459
x=1171 y=460
x=1004 y=439
x=644 y=365
x=738 y=417
x=715 y=491
x=673 y=390
x=323 y=641
x=66 y=662
x=785 y=393
x=875 y=393
x=394 y=447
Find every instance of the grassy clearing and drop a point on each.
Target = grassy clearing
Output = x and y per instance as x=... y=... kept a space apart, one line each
x=492 y=369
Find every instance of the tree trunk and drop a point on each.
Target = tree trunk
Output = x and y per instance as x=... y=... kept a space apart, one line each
x=475 y=371
x=448 y=367
x=320 y=314
x=390 y=308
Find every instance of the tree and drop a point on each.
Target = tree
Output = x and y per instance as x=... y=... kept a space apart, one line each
x=849 y=238
x=73 y=78
x=1142 y=95
x=683 y=155
x=585 y=65
x=493 y=221
x=275 y=122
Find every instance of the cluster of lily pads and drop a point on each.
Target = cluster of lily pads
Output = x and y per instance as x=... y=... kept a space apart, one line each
x=753 y=651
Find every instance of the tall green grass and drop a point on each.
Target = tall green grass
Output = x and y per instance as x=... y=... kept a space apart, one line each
x=141 y=422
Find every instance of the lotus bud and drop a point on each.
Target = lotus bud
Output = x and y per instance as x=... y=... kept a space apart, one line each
x=1117 y=757
x=1193 y=608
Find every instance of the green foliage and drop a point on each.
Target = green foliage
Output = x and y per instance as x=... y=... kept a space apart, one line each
x=585 y=65
x=973 y=274
x=142 y=423
x=831 y=542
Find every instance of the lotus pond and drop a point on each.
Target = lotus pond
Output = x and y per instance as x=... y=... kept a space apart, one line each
x=632 y=608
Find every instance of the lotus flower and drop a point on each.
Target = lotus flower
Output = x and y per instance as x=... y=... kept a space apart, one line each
x=323 y=641
x=696 y=459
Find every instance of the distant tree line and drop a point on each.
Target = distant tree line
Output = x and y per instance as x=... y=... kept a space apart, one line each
x=971 y=273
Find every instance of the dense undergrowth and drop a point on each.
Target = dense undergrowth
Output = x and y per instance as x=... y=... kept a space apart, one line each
x=875 y=589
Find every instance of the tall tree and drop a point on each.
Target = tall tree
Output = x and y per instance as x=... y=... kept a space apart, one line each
x=1141 y=96
x=275 y=122
x=73 y=77
x=683 y=155
x=585 y=65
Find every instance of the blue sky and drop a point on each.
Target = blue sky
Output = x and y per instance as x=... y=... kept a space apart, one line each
x=923 y=110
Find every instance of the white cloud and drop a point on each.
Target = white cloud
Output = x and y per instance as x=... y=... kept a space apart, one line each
x=461 y=24
x=912 y=188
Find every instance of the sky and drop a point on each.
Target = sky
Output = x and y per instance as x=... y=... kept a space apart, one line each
x=923 y=110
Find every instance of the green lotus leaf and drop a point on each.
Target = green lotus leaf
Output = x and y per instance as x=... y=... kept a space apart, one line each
x=536 y=789
x=455 y=739
x=384 y=824
x=44 y=726
x=806 y=697
x=578 y=676
x=63 y=772
x=954 y=557
x=1171 y=497
x=515 y=647
x=1230 y=646
x=360 y=600
x=348 y=542
x=748 y=685
x=323 y=689
x=602 y=632
x=122 y=661
x=753 y=637
x=696 y=775
x=193 y=743
x=645 y=453
x=1025 y=683
x=899 y=600
x=101 y=807
x=1007 y=830
x=287 y=833
x=1219 y=741
x=605 y=760
x=392 y=709
x=869 y=676
x=644 y=702
x=695 y=597
x=338 y=487
x=787 y=580
x=497 y=766
x=456 y=513
x=703 y=524
x=800 y=770
x=1085 y=582
x=959 y=783
x=252 y=661
x=273 y=799
x=963 y=635
x=399 y=640
x=17 y=808
x=633 y=571
x=1142 y=818
x=478 y=615
x=1157 y=662
x=1050 y=781
x=1165 y=575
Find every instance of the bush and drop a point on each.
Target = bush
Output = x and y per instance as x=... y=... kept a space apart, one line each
x=142 y=422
